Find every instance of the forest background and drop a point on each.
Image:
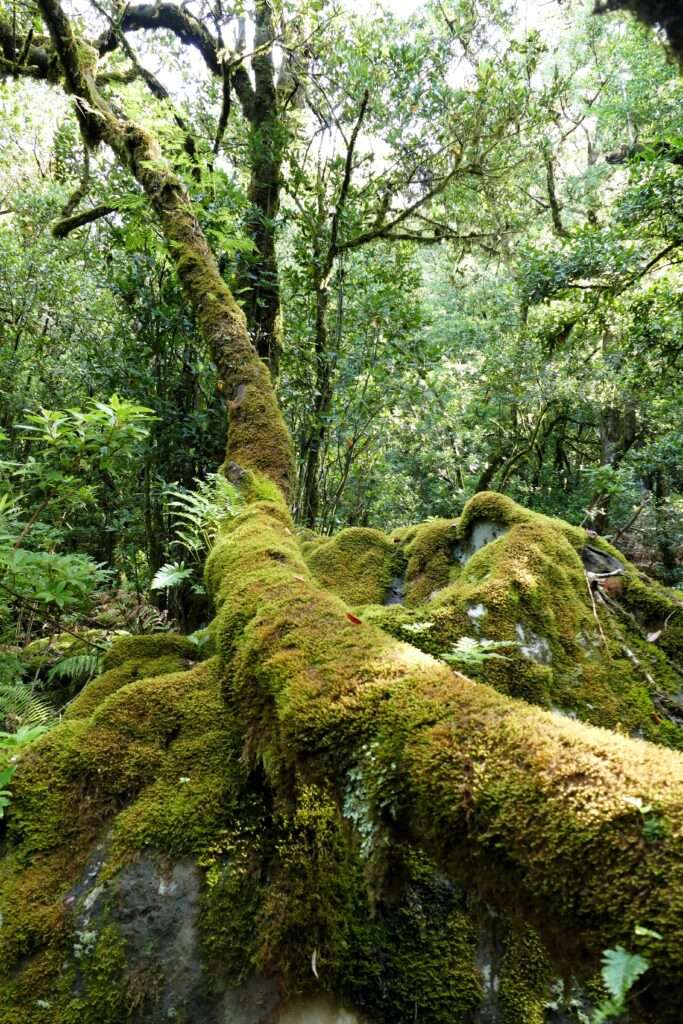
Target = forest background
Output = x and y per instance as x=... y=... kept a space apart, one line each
x=456 y=235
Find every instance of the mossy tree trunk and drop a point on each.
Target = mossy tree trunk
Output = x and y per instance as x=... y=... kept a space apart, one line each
x=258 y=280
x=314 y=440
x=257 y=436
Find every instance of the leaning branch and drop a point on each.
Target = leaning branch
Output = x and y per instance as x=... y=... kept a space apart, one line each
x=66 y=225
x=346 y=183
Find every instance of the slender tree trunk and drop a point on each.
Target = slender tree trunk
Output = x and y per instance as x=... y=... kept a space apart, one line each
x=665 y=543
x=322 y=403
x=618 y=430
x=258 y=280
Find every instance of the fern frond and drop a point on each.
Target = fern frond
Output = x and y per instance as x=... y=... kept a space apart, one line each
x=79 y=668
x=200 y=514
x=20 y=706
x=170 y=575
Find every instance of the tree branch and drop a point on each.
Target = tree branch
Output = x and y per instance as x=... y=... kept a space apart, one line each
x=66 y=225
x=346 y=183
x=384 y=230
x=225 y=109
x=33 y=62
x=172 y=17
x=555 y=208
x=157 y=90
x=190 y=31
x=661 y=148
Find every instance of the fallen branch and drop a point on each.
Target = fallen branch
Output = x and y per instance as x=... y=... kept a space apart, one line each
x=595 y=613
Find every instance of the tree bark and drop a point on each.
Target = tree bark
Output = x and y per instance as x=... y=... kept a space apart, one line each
x=322 y=403
x=258 y=277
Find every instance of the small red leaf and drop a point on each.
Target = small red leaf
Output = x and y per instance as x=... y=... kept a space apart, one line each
x=354 y=619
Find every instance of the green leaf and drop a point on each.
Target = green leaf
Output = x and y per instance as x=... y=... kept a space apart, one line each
x=170 y=575
x=621 y=970
x=647 y=933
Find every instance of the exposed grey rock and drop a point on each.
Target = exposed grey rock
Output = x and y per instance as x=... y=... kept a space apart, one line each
x=599 y=562
x=396 y=592
x=477 y=612
x=482 y=533
x=154 y=908
x=533 y=646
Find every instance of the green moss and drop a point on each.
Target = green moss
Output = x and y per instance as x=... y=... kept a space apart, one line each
x=402 y=535
x=431 y=565
x=524 y=978
x=159 y=757
x=308 y=904
x=358 y=564
x=258 y=439
x=146 y=647
x=528 y=587
x=498 y=508
x=130 y=658
x=102 y=968
x=470 y=772
x=416 y=957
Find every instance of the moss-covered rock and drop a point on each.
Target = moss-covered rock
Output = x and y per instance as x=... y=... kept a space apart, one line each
x=430 y=553
x=358 y=564
x=134 y=657
x=519 y=577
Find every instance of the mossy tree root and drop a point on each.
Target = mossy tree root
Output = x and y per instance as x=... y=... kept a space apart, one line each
x=550 y=815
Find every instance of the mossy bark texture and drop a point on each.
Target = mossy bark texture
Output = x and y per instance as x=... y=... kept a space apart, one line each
x=257 y=437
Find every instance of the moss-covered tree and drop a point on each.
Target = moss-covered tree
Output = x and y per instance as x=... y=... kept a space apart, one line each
x=333 y=807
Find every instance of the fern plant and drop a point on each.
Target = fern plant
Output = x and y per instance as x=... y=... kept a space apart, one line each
x=472 y=652
x=78 y=669
x=21 y=707
x=620 y=971
x=200 y=514
x=5 y=794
